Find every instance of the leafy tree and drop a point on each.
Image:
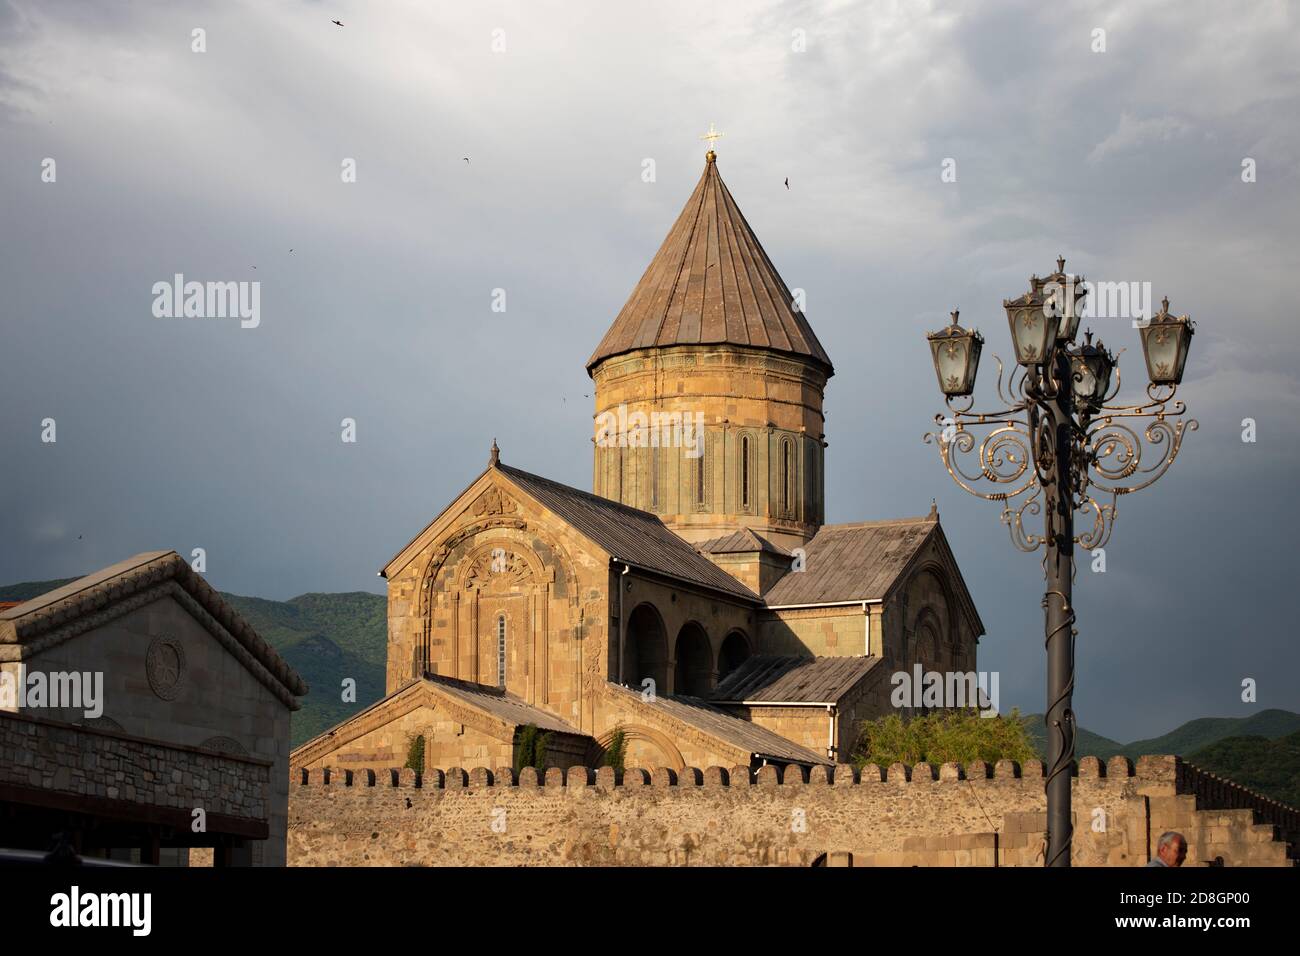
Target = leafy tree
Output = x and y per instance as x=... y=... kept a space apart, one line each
x=943 y=736
x=415 y=753
x=616 y=752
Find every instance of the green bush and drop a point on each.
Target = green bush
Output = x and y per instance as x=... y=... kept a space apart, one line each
x=415 y=753
x=616 y=752
x=530 y=751
x=961 y=736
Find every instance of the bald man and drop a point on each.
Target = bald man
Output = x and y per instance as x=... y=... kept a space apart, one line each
x=1171 y=849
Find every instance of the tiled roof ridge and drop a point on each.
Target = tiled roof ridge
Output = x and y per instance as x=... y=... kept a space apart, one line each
x=878 y=523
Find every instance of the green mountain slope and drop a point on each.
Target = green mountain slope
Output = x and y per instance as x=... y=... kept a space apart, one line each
x=325 y=666
x=1192 y=736
x=1261 y=751
x=1086 y=743
x=1199 y=734
x=1271 y=767
x=326 y=638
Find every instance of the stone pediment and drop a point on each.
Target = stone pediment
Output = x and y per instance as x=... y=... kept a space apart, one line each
x=96 y=599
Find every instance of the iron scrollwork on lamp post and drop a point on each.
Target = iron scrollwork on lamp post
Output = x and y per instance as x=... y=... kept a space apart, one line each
x=1060 y=445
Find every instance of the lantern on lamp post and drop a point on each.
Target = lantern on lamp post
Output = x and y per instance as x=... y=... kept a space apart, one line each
x=1166 y=340
x=1090 y=372
x=1062 y=447
x=1034 y=327
x=1066 y=293
x=956 y=354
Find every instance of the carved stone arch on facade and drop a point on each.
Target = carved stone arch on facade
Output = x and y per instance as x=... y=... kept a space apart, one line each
x=949 y=612
x=565 y=572
x=500 y=561
x=449 y=544
x=928 y=633
x=637 y=733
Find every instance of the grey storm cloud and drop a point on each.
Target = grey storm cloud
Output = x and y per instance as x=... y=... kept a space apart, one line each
x=197 y=433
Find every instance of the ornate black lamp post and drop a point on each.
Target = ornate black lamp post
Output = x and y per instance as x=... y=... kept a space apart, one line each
x=1061 y=445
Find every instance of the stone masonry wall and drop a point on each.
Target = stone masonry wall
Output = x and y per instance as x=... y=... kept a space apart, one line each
x=956 y=816
x=49 y=755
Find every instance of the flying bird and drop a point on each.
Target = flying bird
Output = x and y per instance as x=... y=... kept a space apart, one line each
x=787 y=182
x=336 y=23
x=466 y=158
x=291 y=250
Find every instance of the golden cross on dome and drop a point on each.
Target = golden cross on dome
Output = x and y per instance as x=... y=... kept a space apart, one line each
x=712 y=135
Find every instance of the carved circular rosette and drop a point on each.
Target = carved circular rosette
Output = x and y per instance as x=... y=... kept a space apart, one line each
x=165 y=667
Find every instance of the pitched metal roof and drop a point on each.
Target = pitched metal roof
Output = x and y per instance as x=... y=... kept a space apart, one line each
x=852 y=562
x=711 y=282
x=743 y=541
x=705 y=717
x=801 y=680
x=54 y=610
x=500 y=703
x=512 y=712
x=628 y=534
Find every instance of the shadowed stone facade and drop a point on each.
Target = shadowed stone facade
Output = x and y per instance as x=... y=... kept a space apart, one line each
x=193 y=722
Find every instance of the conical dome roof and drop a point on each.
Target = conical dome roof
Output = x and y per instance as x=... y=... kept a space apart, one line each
x=711 y=282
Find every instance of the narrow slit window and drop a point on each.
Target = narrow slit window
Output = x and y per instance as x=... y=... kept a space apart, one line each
x=654 y=478
x=744 y=472
x=501 y=650
x=787 y=477
x=699 y=476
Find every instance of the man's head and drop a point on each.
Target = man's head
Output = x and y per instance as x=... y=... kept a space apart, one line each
x=1172 y=848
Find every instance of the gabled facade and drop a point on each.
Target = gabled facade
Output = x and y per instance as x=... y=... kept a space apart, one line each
x=178 y=708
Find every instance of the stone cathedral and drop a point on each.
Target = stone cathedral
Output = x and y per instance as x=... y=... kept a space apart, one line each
x=695 y=599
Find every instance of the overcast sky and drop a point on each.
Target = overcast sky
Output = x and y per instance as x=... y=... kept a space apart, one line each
x=176 y=433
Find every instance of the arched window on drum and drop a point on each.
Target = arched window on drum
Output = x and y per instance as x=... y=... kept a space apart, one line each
x=501 y=650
